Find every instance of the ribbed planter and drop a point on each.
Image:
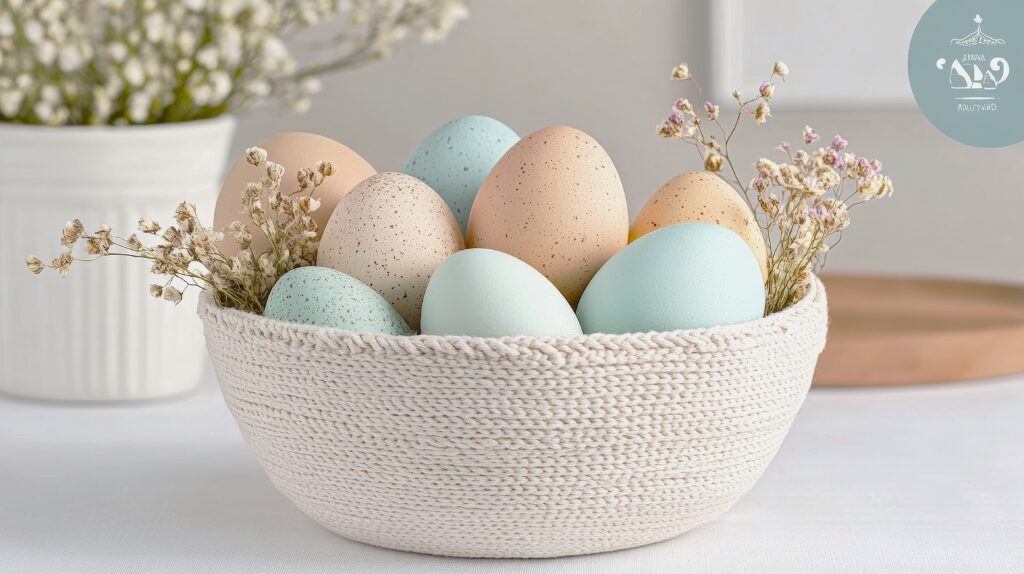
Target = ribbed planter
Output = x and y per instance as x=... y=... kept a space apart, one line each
x=98 y=335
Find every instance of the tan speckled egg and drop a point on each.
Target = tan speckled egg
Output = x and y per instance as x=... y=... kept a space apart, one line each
x=294 y=151
x=390 y=232
x=555 y=201
x=701 y=196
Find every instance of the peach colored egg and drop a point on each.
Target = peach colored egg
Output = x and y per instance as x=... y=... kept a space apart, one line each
x=555 y=201
x=701 y=196
x=390 y=232
x=294 y=151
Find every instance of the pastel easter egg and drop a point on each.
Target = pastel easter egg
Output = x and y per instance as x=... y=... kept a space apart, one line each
x=456 y=157
x=684 y=276
x=555 y=201
x=390 y=232
x=702 y=196
x=487 y=293
x=329 y=298
x=294 y=151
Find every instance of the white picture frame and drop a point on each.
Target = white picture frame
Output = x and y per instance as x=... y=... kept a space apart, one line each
x=856 y=57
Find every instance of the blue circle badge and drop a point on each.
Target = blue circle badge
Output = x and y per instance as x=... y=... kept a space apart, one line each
x=966 y=68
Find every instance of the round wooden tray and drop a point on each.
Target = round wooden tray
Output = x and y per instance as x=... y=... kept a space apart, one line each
x=902 y=331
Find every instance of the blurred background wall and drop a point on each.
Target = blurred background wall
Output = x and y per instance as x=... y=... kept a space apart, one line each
x=602 y=66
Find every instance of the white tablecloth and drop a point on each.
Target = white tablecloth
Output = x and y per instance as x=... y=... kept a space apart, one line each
x=926 y=479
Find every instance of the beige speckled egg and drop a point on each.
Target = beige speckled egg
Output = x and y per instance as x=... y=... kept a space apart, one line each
x=294 y=151
x=555 y=201
x=701 y=196
x=390 y=232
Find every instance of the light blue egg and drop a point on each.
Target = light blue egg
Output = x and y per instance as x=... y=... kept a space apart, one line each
x=684 y=276
x=487 y=293
x=329 y=298
x=456 y=157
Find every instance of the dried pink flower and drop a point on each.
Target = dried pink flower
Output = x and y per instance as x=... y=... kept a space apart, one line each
x=809 y=135
x=800 y=221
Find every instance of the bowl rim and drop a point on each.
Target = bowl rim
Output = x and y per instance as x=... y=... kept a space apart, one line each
x=810 y=310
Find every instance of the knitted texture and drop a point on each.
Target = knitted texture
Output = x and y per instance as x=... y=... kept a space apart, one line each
x=520 y=446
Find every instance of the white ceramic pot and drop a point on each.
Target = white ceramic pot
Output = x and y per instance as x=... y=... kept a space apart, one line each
x=98 y=335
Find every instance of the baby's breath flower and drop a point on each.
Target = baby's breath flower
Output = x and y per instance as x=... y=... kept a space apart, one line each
x=669 y=129
x=809 y=135
x=275 y=171
x=762 y=113
x=711 y=110
x=683 y=105
x=172 y=294
x=681 y=72
x=72 y=231
x=34 y=264
x=801 y=221
x=147 y=225
x=255 y=155
x=713 y=160
x=172 y=236
x=305 y=177
x=325 y=168
x=115 y=61
x=189 y=254
x=62 y=263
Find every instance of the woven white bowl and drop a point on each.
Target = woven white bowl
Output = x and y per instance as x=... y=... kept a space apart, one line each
x=515 y=447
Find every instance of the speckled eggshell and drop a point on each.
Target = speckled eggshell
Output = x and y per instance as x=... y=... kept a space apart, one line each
x=555 y=201
x=701 y=196
x=456 y=157
x=329 y=298
x=390 y=232
x=487 y=293
x=294 y=151
x=684 y=276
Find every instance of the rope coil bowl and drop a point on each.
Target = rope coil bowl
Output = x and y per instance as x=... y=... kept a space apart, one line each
x=515 y=447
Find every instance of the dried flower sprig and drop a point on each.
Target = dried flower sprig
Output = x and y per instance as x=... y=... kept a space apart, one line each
x=188 y=255
x=801 y=205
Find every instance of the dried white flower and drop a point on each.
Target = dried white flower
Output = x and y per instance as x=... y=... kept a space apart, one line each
x=171 y=294
x=255 y=155
x=34 y=264
x=681 y=72
x=762 y=113
x=188 y=252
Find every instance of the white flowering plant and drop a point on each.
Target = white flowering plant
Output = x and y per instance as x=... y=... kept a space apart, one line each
x=83 y=62
x=801 y=204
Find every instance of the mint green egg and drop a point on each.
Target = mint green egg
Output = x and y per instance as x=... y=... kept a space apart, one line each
x=328 y=298
x=456 y=157
x=487 y=293
x=684 y=276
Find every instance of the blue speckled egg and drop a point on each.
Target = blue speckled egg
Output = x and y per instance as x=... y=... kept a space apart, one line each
x=487 y=293
x=329 y=298
x=456 y=157
x=683 y=276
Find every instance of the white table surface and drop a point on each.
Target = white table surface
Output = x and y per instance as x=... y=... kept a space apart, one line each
x=909 y=480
